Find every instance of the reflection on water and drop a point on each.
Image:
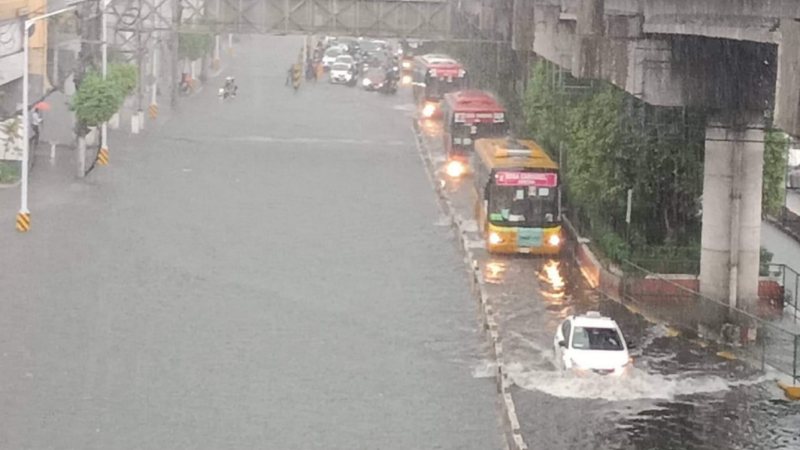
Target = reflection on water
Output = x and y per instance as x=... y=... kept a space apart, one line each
x=493 y=271
x=551 y=278
x=430 y=127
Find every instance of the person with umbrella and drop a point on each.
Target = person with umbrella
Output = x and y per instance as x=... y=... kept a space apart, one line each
x=36 y=121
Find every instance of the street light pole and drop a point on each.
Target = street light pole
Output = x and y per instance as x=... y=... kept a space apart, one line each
x=24 y=215
x=104 y=127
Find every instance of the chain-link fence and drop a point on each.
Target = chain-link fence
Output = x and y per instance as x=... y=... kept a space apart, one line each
x=763 y=336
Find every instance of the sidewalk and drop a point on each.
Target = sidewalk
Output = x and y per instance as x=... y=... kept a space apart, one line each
x=785 y=249
x=793 y=201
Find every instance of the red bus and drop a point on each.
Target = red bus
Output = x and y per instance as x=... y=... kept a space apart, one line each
x=435 y=75
x=468 y=116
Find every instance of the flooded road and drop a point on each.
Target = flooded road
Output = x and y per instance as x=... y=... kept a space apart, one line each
x=680 y=395
x=264 y=273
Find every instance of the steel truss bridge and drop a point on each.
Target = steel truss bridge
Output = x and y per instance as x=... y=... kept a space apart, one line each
x=423 y=19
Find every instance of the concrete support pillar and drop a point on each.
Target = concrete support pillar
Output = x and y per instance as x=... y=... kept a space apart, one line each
x=734 y=158
x=787 y=90
x=590 y=29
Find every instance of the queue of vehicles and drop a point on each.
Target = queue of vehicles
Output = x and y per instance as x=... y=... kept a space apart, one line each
x=517 y=197
x=370 y=63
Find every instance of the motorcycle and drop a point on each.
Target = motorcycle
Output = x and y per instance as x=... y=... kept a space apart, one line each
x=227 y=92
x=388 y=86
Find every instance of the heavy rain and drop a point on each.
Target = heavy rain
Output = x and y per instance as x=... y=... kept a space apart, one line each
x=400 y=224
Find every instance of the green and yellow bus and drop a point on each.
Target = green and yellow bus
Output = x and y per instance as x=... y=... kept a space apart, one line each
x=517 y=197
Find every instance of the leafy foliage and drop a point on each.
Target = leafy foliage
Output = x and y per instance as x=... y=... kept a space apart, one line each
x=124 y=76
x=96 y=100
x=613 y=142
x=776 y=154
x=194 y=44
x=8 y=173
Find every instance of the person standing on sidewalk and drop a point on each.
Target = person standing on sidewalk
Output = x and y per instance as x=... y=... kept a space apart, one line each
x=36 y=121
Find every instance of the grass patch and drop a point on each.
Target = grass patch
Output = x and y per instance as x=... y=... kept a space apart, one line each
x=8 y=174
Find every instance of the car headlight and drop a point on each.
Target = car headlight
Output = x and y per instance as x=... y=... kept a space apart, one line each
x=495 y=239
x=428 y=110
x=455 y=169
x=366 y=82
x=624 y=368
x=554 y=240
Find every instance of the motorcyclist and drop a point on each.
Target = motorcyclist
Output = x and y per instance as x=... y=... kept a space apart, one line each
x=231 y=87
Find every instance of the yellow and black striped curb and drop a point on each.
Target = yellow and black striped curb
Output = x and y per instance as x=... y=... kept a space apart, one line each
x=23 y=221
x=102 y=157
x=153 y=111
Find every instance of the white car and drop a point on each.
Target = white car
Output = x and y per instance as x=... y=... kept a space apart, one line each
x=330 y=56
x=591 y=342
x=341 y=73
x=345 y=59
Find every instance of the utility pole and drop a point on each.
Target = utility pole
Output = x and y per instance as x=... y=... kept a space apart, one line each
x=173 y=40
x=140 y=50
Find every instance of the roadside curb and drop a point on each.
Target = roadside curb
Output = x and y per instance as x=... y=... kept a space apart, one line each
x=10 y=186
x=511 y=426
x=784 y=229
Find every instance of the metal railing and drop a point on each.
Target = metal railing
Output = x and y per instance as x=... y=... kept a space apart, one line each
x=789 y=280
x=676 y=302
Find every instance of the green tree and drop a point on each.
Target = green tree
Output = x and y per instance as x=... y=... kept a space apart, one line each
x=96 y=101
x=124 y=76
x=776 y=154
x=613 y=142
x=194 y=43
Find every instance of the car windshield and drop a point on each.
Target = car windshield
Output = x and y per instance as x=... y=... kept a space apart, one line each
x=522 y=205
x=340 y=67
x=591 y=338
x=333 y=52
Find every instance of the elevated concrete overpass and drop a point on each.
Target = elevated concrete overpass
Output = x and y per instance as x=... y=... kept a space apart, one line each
x=738 y=58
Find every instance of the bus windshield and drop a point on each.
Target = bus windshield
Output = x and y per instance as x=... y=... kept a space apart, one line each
x=522 y=206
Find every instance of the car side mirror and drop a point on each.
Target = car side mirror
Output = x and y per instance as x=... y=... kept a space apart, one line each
x=631 y=346
x=562 y=344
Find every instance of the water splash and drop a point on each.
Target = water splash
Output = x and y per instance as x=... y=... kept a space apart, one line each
x=636 y=385
x=484 y=369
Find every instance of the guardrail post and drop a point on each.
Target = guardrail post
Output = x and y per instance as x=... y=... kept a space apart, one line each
x=794 y=360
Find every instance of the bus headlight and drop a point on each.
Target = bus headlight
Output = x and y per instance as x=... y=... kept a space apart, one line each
x=554 y=240
x=428 y=110
x=455 y=169
x=495 y=239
